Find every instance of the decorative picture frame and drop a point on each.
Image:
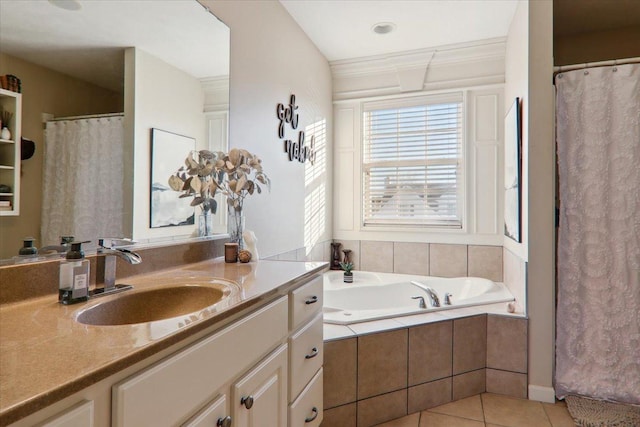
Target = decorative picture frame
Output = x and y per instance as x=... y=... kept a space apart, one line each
x=513 y=172
x=166 y=208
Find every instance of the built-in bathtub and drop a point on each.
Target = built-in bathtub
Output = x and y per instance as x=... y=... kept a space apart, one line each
x=374 y=296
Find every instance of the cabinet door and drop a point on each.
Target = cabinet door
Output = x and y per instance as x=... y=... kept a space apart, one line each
x=214 y=414
x=260 y=397
x=80 y=415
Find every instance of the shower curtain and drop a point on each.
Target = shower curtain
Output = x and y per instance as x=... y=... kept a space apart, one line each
x=83 y=179
x=598 y=312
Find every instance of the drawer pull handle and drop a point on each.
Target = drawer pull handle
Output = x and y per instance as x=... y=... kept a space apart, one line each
x=312 y=417
x=312 y=300
x=247 y=402
x=224 y=422
x=314 y=353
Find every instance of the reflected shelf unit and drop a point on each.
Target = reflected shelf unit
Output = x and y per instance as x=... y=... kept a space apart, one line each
x=10 y=154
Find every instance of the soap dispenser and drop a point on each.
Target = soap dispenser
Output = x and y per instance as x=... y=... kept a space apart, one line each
x=27 y=248
x=74 y=276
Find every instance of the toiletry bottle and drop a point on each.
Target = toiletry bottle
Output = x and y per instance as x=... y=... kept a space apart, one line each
x=28 y=248
x=74 y=276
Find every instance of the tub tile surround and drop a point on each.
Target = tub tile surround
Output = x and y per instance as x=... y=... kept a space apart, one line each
x=429 y=259
x=445 y=360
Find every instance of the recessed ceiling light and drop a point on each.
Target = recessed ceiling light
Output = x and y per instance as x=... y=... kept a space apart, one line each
x=66 y=4
x=383 y=27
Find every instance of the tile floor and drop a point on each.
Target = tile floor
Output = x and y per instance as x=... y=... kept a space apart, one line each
x=489 y=410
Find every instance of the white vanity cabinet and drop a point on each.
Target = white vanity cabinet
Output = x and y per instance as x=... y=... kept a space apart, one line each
x=183 y=384
x=263 y=369
x=80 y=415
x=305 y=355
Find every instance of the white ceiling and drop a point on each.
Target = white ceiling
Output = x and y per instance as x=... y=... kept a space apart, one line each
x=89 y=43
x=343 y=29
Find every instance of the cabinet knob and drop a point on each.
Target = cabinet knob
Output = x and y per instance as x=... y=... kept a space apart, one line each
x=224 y=422
x=312 y=417
x=312 y=300
x=314 y=353
x=247 y=401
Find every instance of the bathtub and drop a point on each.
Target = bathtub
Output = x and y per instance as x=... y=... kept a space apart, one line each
x=374 y=296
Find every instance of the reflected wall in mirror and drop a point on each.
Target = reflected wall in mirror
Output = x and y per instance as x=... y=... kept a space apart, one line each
x=160 y=64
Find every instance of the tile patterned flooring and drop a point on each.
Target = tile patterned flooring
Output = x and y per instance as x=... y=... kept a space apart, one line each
x=489 y=410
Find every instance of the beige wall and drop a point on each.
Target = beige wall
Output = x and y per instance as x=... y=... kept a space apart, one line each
x=272 y=58
x=44 y=91
x=529 y=67
x=165 y=98
x=597 y=46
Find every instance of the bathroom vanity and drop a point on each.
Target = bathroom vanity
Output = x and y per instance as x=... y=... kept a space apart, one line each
x=255 y=360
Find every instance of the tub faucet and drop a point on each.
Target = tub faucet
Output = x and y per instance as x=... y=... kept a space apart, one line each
x=431 y=293
x=421 y=303
x=107 y=264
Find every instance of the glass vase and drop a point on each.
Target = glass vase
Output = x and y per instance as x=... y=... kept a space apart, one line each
x=235 y=228
x=205 y=224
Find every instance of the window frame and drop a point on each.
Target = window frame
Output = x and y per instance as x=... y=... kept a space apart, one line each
x=395 y=224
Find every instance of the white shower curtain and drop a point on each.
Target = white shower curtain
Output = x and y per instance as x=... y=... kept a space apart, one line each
x=83 y=179
x=598 y=313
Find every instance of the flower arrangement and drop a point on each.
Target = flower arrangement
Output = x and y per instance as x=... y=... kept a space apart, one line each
x=236 y=175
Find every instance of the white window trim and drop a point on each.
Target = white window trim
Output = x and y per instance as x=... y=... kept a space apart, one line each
x=456 y=95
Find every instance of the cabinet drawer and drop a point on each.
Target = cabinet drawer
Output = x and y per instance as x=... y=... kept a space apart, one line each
x=305 y=302
x=306 y=411
x=80 y=415
x=168 y=392
x=306 y=355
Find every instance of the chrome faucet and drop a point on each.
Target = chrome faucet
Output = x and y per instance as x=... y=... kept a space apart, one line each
x=431 y=293
x=106 y=272
x=62 y=248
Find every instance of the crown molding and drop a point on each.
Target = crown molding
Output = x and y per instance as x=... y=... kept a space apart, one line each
x=422 y=58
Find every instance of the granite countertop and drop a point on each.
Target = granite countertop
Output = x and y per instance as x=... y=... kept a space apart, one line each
x=46 y=355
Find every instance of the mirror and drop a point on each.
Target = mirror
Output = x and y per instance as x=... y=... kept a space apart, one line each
x=161 y=65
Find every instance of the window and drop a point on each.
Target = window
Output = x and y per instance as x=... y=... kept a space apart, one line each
x=412 y=162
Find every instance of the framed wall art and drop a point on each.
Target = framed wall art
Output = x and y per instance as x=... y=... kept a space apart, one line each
x=512 y=172
x=168 y=153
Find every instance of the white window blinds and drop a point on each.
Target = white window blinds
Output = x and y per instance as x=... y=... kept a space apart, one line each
x=412 y=162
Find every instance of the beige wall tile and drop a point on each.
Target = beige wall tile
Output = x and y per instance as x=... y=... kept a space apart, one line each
x=469 y=344
x=340 y=370
x=429 y=395
x=382 y=408
x=486 y=262
x=507 y=383
x=447 y=260
x=469 y=384
x=376 y=256
x=382 y=363
x=354 y=245
x=514 y=277
x=411 y=258
x=507 y=343
x=342 y=416
x=430 y=351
